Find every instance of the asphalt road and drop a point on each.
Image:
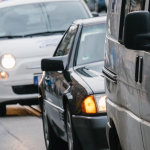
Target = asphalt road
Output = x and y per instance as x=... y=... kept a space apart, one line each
x=21 y=129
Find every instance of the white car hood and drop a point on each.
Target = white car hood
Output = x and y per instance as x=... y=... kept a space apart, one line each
x=30 y=47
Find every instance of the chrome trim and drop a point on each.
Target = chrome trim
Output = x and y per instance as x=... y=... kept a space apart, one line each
x=86 y=117
x=114 y=81
x=107 y=72
x=33 y=67
x=110 y=76
x=62 y=110
x=112 y=39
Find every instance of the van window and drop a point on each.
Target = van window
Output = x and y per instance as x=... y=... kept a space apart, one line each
x=129 y=6
x=137 y=5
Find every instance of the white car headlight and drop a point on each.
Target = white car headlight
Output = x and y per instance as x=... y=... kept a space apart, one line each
x=8 y=61
x=100 y=102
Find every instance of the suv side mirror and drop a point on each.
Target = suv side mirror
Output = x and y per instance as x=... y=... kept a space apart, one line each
x=137 y=30
x=52 y=64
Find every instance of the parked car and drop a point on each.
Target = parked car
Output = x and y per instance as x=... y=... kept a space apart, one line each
x=127 y=75
x=96 y=5
x=29 y=31
x=72 y=96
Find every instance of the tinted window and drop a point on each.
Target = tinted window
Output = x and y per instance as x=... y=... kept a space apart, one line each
x=67 y=42
x=129 y=6
x=35 y=18
x=91 y=47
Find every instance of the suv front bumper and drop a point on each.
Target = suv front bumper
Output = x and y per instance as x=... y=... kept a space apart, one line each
x=91 y=131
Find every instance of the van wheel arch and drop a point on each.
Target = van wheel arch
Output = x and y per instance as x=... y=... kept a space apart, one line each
x=114 y=141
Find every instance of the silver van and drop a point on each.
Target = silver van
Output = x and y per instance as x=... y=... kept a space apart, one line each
x=127 y=74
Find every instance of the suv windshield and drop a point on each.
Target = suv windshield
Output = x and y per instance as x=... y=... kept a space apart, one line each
x=42 y=17
x=91 y=47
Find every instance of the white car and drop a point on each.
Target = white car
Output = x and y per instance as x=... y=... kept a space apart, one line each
x=29 y=31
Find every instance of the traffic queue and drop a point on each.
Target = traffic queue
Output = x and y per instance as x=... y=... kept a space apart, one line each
x=89 y=74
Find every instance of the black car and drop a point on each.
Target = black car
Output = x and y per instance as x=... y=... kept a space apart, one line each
x=72 y=96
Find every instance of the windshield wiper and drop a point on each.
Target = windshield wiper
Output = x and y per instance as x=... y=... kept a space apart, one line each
x=33 y=34
x=11 y=36
x=44 y=33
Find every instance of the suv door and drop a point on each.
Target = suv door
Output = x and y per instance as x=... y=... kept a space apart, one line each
x=56 y=83
x=120 y=84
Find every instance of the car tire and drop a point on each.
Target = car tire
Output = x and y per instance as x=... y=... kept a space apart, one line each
x=2 y=110
x=52 y=142
x=73 y=141
x=97 y=9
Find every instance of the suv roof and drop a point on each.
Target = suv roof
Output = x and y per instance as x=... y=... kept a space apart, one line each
x=90 y=20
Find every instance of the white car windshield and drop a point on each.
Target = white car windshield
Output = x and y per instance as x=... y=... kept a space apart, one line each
x=30 y=19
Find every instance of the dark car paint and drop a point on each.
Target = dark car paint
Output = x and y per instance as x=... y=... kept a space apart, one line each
x=92 y=75
x=58 y=92
x=91 y=131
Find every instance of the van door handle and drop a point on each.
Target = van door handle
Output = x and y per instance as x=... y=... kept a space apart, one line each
x=138 y=69
x=47 y=79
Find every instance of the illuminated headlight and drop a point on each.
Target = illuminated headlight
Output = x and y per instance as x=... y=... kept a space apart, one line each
x=8 y=61
x=3 y=75
x=100 y=102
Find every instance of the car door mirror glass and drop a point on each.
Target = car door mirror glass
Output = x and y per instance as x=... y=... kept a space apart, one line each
x=52 y=64
x=136 y=31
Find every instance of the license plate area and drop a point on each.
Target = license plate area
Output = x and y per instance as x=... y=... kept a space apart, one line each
x=37 y=79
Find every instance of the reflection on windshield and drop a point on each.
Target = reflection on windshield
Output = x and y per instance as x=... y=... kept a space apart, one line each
x=37 y=18
x=91 y=47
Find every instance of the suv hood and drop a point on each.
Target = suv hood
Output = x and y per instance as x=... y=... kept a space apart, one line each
x=92 y=75
x=30 y=47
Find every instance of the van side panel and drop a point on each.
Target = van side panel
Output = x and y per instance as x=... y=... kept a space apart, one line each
x=145 y=86
x=144 y=96
x=127 y=125
x=145 y=126
x=113 y=19
x=111 y=55
x=126 y=79
x=128 y=100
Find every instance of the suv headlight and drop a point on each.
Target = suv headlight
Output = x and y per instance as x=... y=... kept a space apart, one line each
x=94 y=104
x=100 y=102
x=8 y=61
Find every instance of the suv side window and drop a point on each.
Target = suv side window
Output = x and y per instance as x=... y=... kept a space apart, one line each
x=66 y=44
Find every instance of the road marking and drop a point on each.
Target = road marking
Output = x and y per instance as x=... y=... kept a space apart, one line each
x=31 y=110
